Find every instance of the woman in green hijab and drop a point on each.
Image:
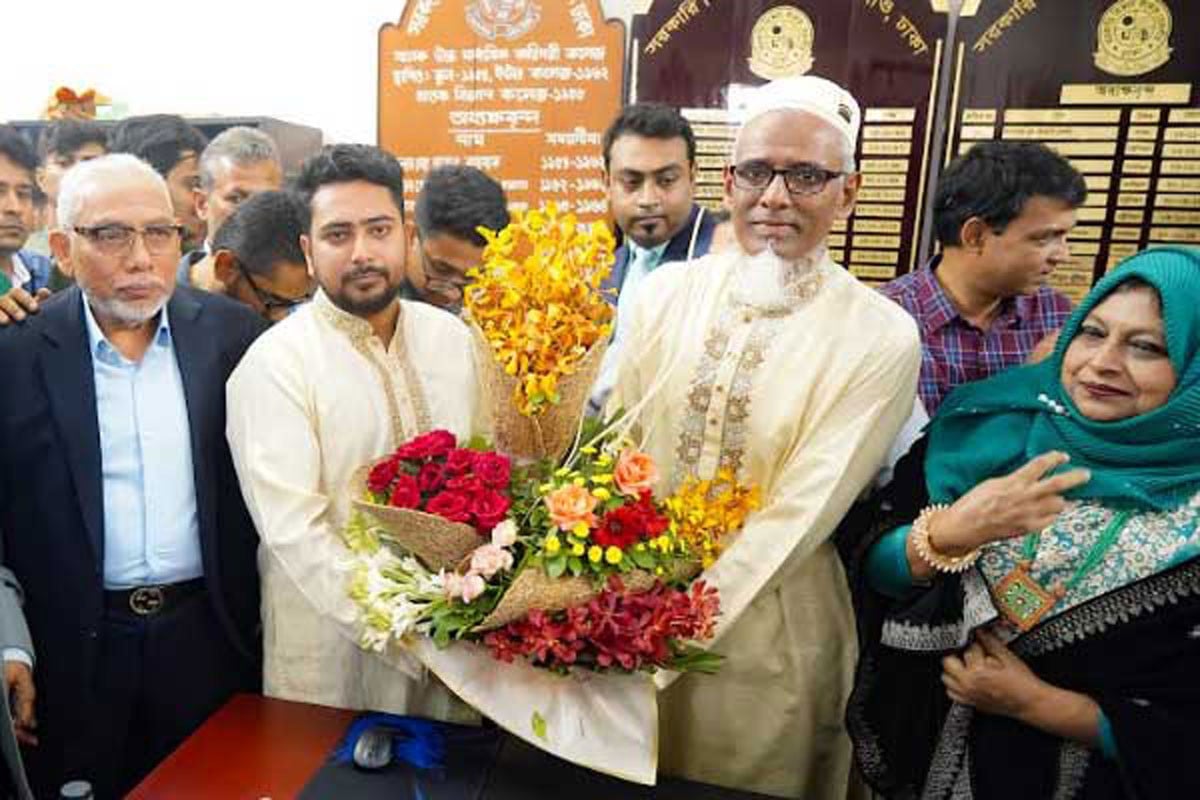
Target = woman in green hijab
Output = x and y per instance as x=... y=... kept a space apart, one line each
x=1029 y=595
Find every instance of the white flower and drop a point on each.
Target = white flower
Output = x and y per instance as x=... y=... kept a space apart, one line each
x=488 y=559
x=473 y=586
x=505 y=534
x=452 y=585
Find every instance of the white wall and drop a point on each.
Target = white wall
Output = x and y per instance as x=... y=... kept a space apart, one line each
x=206 y=57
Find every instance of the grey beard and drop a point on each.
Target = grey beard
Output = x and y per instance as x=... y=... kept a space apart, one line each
x=129 y=315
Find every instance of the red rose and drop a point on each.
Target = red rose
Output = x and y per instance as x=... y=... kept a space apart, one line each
x=406 y=493
x=468 y=485
x=490 y=508
x=431 y=478
x=493 y=469
x=450 y=505
x=382 y=475
x=459 y=461
x=430 y=445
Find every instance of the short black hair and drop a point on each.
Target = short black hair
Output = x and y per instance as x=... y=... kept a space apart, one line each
x=68 y=135
x=339 y=163
x=456 y=199
x=263 y=231
x=17 y=149
x=652 y=121
x=161 y=140
x=993 y=181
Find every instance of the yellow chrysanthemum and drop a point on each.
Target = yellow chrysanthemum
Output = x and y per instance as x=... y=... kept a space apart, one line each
x=595 y=553
x=553 y=545
x=613 y=554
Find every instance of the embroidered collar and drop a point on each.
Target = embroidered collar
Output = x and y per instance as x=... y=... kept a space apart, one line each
x=357 y=329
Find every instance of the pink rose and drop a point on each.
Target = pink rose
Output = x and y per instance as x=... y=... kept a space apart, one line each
x=459 y=461
x=571 y=505
x=382 y=475
x=504 y=534
x=431 y=478
x=488 y=559
x=405 y=494
x=489 y=508
x=449 y=505
x=493 y=469
x=473 y=586
x=452 y=585
x=635 y=473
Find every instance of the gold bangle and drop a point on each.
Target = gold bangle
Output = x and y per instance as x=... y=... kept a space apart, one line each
x=924 y=548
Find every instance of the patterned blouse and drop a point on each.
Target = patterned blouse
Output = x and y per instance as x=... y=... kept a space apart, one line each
x=1150 y=542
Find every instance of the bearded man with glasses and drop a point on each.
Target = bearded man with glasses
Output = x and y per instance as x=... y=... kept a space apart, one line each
x=773 y=363
x=120 y=513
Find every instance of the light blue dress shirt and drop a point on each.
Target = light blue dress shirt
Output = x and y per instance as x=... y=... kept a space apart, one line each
x=151 y=528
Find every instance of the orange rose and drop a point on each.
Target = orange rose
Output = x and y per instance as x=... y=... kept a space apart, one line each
x=635 y=473
x=571 y=505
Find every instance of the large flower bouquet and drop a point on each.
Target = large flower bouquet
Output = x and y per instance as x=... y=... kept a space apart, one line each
x=581 y=567
x=554 y=582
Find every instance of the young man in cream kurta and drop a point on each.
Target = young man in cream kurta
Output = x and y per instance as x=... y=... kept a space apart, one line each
x=774 y=362
x=341 y=382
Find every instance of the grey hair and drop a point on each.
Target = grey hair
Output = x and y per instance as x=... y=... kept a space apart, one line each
x=848 y=165
x=239 y=144
x=86 y=176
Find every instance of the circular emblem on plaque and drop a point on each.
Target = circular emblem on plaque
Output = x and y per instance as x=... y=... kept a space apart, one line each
x=503 y=19
x=1134 y=37
x=781 y=43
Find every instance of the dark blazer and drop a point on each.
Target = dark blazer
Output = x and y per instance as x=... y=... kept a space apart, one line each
x=51 y=515
x=677 y=249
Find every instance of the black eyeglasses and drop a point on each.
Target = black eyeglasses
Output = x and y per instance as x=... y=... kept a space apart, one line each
x=801 y=179
x=117 y=239
x=447 y=280
x=271 y=302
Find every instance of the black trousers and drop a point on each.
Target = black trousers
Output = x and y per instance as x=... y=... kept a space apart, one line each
x=157 y=679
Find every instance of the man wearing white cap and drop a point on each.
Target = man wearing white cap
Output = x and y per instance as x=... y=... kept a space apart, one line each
x=771 y=361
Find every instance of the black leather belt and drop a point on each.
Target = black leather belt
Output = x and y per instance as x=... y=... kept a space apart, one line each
x=146 y=601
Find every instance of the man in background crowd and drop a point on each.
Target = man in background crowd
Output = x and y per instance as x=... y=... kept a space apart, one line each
x=237 y=164
x=173 y=147
x=257 y=257
x=454 y=202
x=62 y=145
x=24 y=276
x=650 y=171
x=1002 y=215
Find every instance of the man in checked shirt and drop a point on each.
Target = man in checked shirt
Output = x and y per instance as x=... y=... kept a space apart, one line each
x=1002 y=214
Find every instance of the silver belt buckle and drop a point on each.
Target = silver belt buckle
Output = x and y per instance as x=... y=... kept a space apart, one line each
x=146 y=600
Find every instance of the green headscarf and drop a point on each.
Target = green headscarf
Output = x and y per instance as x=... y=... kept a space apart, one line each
x=1151 y=461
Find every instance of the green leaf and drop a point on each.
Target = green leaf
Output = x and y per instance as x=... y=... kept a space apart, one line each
x=539 y=727
x=643 y=558
x=575 y=565
x=479 y=443
x=556 y=566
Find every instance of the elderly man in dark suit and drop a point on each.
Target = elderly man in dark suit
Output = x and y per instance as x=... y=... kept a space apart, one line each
x=119 y=508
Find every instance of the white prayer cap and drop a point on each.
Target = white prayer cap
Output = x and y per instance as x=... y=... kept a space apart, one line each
x=818 y=96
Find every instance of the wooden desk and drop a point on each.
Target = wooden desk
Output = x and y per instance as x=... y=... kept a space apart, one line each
x=254 y=747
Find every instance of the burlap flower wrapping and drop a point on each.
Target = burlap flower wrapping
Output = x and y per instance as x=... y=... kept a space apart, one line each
x=534 y=590
x=548 y=434
x=438 y=543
